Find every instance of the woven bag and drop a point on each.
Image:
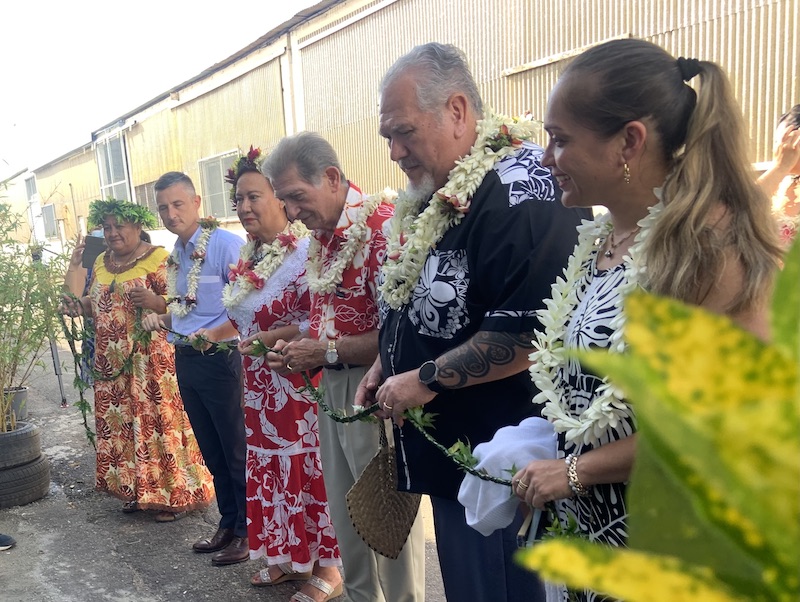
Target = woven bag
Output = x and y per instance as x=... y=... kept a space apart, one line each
x=382 y=515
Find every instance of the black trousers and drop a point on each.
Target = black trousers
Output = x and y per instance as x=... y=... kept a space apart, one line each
x=210 y=386
x=478 y=568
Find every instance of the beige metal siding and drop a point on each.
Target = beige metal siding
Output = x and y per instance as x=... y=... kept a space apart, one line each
x=756 y=41
x=248 y=110
x=153 y=148
x=70 y=184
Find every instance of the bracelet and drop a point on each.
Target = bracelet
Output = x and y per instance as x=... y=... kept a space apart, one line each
x=572 y=476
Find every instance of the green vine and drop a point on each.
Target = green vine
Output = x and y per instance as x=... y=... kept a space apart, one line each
x=459 y=452
x=80 y=329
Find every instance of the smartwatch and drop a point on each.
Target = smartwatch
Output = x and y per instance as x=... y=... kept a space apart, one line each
x=331 y=355
x=427 y=376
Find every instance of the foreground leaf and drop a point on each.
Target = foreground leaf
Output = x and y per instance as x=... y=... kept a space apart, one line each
x=624 y=573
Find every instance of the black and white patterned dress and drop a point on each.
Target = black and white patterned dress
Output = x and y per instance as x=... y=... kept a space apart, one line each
x=602 y=515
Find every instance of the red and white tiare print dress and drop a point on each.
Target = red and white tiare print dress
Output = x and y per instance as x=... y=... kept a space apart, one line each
x=146 y=449
x=287 y=509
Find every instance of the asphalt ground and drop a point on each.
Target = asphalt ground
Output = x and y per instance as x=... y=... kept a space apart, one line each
x=75 y=545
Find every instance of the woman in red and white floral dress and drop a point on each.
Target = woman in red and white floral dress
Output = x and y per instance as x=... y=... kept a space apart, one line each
x=287 y=510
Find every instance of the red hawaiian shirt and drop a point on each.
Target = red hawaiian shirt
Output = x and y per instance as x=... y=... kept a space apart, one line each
x=353 y=307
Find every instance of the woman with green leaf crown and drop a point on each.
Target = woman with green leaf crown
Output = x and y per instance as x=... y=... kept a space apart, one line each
x=684 y=220
x=288 y=521
x=147 y=454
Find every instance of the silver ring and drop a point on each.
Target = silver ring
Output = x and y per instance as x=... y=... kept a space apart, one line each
x=386 y=406
x=288 y=365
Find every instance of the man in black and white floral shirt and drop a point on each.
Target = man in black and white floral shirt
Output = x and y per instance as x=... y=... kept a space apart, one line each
x=473 y=251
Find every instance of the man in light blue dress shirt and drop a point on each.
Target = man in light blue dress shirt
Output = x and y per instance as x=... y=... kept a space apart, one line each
x=209 y=381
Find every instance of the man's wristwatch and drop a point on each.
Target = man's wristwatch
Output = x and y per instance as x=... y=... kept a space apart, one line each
x=331 y=355
x=427 y=376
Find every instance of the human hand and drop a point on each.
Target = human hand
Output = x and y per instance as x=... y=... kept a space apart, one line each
x=275 y=358
x=365 y=393
x=70 y=306
x=248 y=346
x=401 y=392
x=303 y=354
x=142 y=297
x=787 y=153
x=199 y=339
x=542 y=481
x=76 y=259
x=152 y=322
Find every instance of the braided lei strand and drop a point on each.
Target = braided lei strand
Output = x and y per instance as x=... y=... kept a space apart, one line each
x=608 y=410
x=181 y=306
x=355 y=237
x=413 y=234
x=257 y=264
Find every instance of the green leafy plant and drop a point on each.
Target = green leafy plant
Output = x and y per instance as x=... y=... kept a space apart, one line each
x=713 y=500
x=30 y=289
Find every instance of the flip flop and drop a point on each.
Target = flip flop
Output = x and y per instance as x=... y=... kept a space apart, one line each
x=262 y=578
x=326 y=588
x=130 y=507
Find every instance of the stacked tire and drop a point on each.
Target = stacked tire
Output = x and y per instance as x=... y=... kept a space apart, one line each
x=24 y=470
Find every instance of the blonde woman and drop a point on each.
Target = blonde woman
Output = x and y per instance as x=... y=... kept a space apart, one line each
x=684 y=220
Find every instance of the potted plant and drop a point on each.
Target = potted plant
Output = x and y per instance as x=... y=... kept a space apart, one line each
x=30 y=289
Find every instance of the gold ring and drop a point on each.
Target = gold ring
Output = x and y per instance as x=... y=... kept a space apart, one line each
x=522 y=485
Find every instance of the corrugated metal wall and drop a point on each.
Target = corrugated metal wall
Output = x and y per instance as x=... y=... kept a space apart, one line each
x=248 y=110
x=73 y=179
x=756 y=41
x=153 y=147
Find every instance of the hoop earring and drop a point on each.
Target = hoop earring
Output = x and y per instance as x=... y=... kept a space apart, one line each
x=626 y=173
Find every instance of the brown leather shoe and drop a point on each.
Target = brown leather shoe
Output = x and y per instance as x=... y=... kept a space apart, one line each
x=218 y=542
x=237 y=551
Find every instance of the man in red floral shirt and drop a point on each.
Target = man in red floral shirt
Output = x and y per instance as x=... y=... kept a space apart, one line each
x=345 y=256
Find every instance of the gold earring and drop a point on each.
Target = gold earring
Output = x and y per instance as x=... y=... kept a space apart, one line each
x=626 y=173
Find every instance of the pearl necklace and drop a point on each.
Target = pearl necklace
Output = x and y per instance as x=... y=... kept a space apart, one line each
x=608 y=410
x=257 y=262
x=355 y=237
x=414 y=234
x=181 y=306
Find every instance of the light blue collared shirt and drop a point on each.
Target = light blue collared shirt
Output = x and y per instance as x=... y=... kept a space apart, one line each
x=222 y=251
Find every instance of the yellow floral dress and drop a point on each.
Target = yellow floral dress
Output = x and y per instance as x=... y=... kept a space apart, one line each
x=146 y=449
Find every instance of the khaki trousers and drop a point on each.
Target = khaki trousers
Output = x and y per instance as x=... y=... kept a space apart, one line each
x=346 y=449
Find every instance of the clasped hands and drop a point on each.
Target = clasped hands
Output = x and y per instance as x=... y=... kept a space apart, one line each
x=394 y=396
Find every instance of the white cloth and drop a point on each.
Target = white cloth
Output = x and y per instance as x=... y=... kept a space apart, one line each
x=490 y=506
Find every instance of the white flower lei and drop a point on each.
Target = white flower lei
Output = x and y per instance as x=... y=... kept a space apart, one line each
x=608 y=410
x=413 y=234
x=355 y=237
x=266 y=260
x=181 y=306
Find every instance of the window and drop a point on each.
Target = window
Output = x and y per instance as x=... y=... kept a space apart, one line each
x=50 y=225
x=146 y=195
x=216 y=191
x=113 y=165
x=30 y=187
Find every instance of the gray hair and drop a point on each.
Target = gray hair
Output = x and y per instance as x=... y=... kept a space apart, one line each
x=441 y=71
x=308 y=152
x=174 y=177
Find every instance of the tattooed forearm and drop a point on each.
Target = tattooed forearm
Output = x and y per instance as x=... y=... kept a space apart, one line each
x=477 y=357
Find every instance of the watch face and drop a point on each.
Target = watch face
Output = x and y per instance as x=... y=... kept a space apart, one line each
x=427 y=372
x=331 y=356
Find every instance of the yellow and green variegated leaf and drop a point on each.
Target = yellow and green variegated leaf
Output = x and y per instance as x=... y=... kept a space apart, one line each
x=728 y=445
x=786 y=305
x=624 y=573
x=663 y=519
